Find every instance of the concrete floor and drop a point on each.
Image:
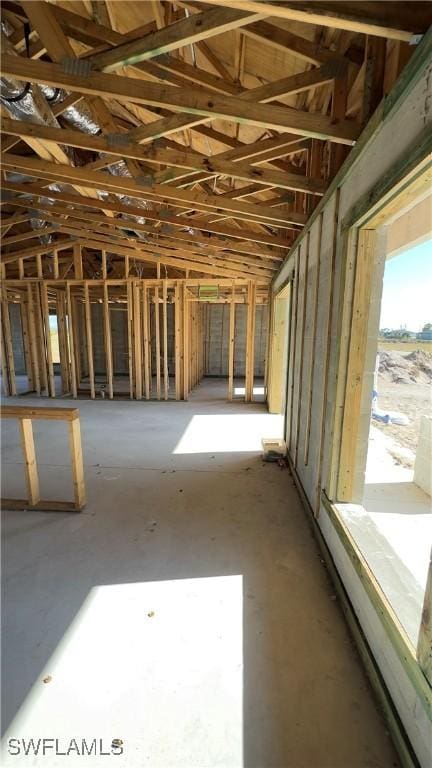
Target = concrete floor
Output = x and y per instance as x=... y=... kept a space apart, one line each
x=187 y=610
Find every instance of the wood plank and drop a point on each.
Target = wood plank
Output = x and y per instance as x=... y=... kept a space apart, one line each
x=159 y=192
x=38 y=413
x=72 y=348
x=186 y=31
x=28 y=449
x=49 y=356
x=41 y=506
x=146 y=341
x=165 y=337
x=77 y=261
x=89 y=339
x=334 y=15
x=231 y=344
x=186 y=344
x=137 y=339
x=240 y=233
x=75 y=447
x=169 y=157
x=8 y=345
x=250 y=342
x=108 y=341
x=354 y=381
x=177 y=341
x=157 y=342
x=129 y=290
x=212 y=105
x=33 y=340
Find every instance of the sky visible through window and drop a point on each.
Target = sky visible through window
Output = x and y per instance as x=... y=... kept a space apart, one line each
x=407 y=293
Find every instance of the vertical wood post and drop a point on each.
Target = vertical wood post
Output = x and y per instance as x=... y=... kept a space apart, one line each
x=185 y=344
x=28 y=448
x=177 y=340
x=77 y=463
x=70 y=329
x=157 y=340
x=45 y=310
x=130 y=337
x=137 y=340
x=165 y=338
x=145 y=318
x=108 y=342
x=231 y=344
x=33 y=340
x=8 y=346
x=89 y=335
x=77 y=260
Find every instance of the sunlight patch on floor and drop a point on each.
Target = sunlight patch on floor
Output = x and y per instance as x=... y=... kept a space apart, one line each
x=158 y=665
x=229 y=433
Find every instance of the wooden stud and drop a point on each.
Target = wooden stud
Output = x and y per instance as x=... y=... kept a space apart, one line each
x=137 y=339
x=8 y=344
x=63 y=342
x=26 y=342
x=165 y=337
x=145 y=320
x=108 y=341
x=313 y=342
x=302 y=337
x=33 y=339
x=185 y=344
x=75 y=446
x=250 y=342
x=48 y=345
x=89 y=339
x=72 y=348
x=55 y=265
x=178 y=334
x=77 y=260
x=231 y=345
x=354 y=380
x=28 y=448
x=157 y=342
x=129 y=290
x=104 y=265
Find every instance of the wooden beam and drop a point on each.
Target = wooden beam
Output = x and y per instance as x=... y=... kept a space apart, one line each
x=187 y=31
x=194 y=101
x=177 y=197
x=167 y=157
x=253 y=242
x=336 y=16
x=305 y=50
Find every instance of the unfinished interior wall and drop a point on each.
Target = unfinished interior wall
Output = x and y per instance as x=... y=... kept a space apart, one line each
x=140 y=338
x=320 y=269
x=216 y=319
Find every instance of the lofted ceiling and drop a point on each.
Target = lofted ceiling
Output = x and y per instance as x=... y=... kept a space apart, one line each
x=197 y=137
